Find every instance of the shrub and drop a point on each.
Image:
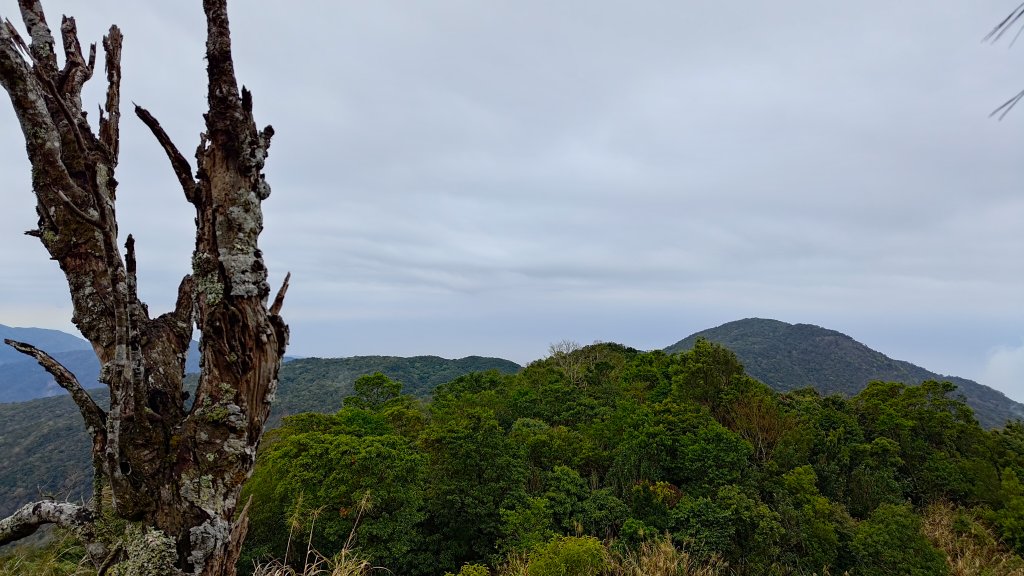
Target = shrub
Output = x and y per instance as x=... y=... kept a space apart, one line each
x=471 y=570
x=569 y=556
x=890 y=542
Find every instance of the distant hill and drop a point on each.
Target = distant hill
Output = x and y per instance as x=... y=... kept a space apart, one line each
x=790 y=356
x=50 y=340
x=44 y=448
x=320 y=384
x=22 y=379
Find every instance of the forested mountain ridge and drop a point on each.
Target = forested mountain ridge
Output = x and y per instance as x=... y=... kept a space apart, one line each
x=613 y=458
x=321 y=384
x=22 y=379
x=50 y=340
x=792 y=356
x=44 y=447
x=607 y=460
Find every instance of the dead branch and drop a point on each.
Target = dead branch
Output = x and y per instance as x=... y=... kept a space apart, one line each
x=16 y=38
x=184 y=306
x=77 y=71
x=275 y=308
x=85 y=217
x=41 y=47
x=94 y=416
x=1005 y=25
x=110 y=124
x=31 y=517
x=223 y=87
x=178 y=162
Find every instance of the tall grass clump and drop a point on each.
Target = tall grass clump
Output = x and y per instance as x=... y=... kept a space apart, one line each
x=345 y=563
x=971 y=548
x=586 y=556
x=661 y=557
x=63 y=556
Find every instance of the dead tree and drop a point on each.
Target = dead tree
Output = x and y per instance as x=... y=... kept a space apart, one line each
x=175 y=472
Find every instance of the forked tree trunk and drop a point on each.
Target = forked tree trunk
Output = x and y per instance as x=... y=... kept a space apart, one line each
x=172 y=470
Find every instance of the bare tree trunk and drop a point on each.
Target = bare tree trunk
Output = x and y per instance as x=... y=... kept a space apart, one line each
x=176 y=472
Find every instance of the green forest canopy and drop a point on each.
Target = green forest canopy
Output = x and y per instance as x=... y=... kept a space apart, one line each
x=633 y=447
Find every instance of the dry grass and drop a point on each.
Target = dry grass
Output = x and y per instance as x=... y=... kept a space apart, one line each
x=517 y=564
x=318 y=565
x=345 y=563
x=61 y=557
x=661 y=558
x=971 y=548
x=657 y=558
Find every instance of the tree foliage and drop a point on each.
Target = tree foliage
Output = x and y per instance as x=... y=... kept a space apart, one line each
x=555 y=472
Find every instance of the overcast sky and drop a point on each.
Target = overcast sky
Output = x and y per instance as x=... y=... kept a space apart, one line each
x=460 y=177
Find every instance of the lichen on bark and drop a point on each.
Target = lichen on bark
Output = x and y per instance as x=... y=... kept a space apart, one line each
x=146 y=551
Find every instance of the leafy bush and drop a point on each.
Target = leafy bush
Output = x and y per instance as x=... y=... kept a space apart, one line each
x=471 y=570
x=890 y=543
x=569 y=556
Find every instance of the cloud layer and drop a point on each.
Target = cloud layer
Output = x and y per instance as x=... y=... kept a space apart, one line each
x=486 y=178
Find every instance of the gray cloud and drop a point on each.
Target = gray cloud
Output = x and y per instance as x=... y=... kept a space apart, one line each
x=459 y=177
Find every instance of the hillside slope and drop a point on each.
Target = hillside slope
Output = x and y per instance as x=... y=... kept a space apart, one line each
x=320 y=384
x=44 y=448
x=21 y=378
x=790 y=356
x=50 y=340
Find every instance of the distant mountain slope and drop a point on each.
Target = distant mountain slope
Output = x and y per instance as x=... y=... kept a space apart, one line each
x=22 y=379
x=50 y=340
x=320 y=384
x=44 y=448
x=789 y=356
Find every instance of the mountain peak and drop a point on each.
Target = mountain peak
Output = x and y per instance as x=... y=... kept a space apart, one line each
x=790 y=356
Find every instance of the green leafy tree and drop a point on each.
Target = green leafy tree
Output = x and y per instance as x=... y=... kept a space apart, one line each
x=832 y=433
x=602 y=513
x=876 y=478
x=1008 y=445
x=813 y=527
x=698 y=454
x=547 y=447
x=373 y=391
x=733 y=523
x=890 y=543
x=652 y=504
x=646 y=377
x=526 y=526
x=475 y=471
x=937 y=436
x=565 y=492
x=1010 y=518
x=709 y=374
x=372 y=486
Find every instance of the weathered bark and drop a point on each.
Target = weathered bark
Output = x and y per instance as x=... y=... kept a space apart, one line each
x=174 y=470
